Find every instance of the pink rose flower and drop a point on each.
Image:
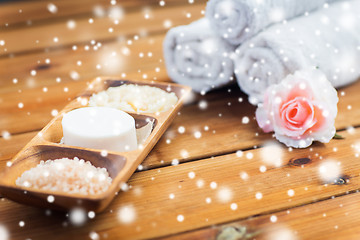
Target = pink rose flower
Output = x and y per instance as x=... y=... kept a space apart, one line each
x=300 y=109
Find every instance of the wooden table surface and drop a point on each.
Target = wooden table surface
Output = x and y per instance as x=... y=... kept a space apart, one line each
x=49 y=57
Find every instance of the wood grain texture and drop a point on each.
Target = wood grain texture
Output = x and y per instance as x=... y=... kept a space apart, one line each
x=12 y=145
x=156 y=210
x=336 y=218
x=151 y=189
x=220 y=138
x=20 y=14
x=42 y=37
x=120 y=166
x=113 y=58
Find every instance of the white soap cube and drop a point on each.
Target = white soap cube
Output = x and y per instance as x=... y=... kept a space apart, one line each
x=100 y=128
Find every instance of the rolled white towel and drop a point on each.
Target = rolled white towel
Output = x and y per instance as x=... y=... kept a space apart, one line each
x=328 y=39
x=239 y=20
x=197 y=57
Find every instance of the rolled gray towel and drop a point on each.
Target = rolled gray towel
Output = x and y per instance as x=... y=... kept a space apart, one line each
x=239 y=20
x=328 y=39
x=197 y=57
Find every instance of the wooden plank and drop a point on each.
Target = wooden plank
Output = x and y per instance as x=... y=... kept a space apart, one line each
x=36 y=107
x=84 y=64
x=219 y=139
x=21 y=13
x=336 y=218
x=27 y=111
x=13 y=144
x=59 y=35
x=157 y=212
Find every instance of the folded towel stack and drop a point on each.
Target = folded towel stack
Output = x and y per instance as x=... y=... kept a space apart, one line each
x=239 y=20
x=196 y=56
x=307 y=33
x=328 y=39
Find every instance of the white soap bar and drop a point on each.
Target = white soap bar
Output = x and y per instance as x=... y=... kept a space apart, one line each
x=100 y=128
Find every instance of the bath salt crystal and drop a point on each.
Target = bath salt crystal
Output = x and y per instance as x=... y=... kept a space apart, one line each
x=74 y=176
x=135 y=98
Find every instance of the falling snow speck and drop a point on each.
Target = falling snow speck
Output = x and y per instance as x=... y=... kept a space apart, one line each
x=291 y=192
x=191 y=175
x=200 y=183
x=74 y=75
x=197 y=134
x=213 y=185
x=239 y=153
x=244 y=176
x=94 y=236
x=104 y=153
x=6 y=135
x=71 y=24
x=262 y=168
x=77 y=216
x=224 y=194
x=52 y=8
x=203 y=104
x=167 y=23
x=249 y=155
x=127 y=214
x=4 y=233
x=272 y=154
x=258 y=195
x=124 y=187
x=91 y=214
x=350 y=130
x=208 y=200
x=181 y=129
x=329 y=171
x=273 y=218
x=184 y=153
x=180 y=218
x=50 y=198
x=20 y=105
x=245 y=120
x=281 y=232
x=233 y=206
x=175 y=162
x=116 y=13
x=21 y=223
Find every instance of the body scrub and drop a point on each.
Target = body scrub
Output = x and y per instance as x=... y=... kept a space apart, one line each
x=135 y=98
x=75 y=176
x=99 y=128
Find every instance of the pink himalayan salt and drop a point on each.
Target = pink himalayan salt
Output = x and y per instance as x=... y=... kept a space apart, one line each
x=66 y=175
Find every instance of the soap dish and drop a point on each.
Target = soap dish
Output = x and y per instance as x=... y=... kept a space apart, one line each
x=120 y=165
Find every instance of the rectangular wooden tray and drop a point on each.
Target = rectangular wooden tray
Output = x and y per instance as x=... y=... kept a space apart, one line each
x=120 y=165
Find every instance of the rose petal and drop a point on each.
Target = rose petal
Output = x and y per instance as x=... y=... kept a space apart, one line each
x=296 y=143
x=262 y=120
x=300 y=109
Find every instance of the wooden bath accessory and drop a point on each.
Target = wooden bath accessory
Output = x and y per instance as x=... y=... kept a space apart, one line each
x=120 y=165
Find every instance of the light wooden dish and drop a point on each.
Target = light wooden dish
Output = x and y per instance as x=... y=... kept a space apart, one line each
x=120 y=165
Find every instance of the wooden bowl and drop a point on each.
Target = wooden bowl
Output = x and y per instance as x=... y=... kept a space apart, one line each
x=120 y=165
